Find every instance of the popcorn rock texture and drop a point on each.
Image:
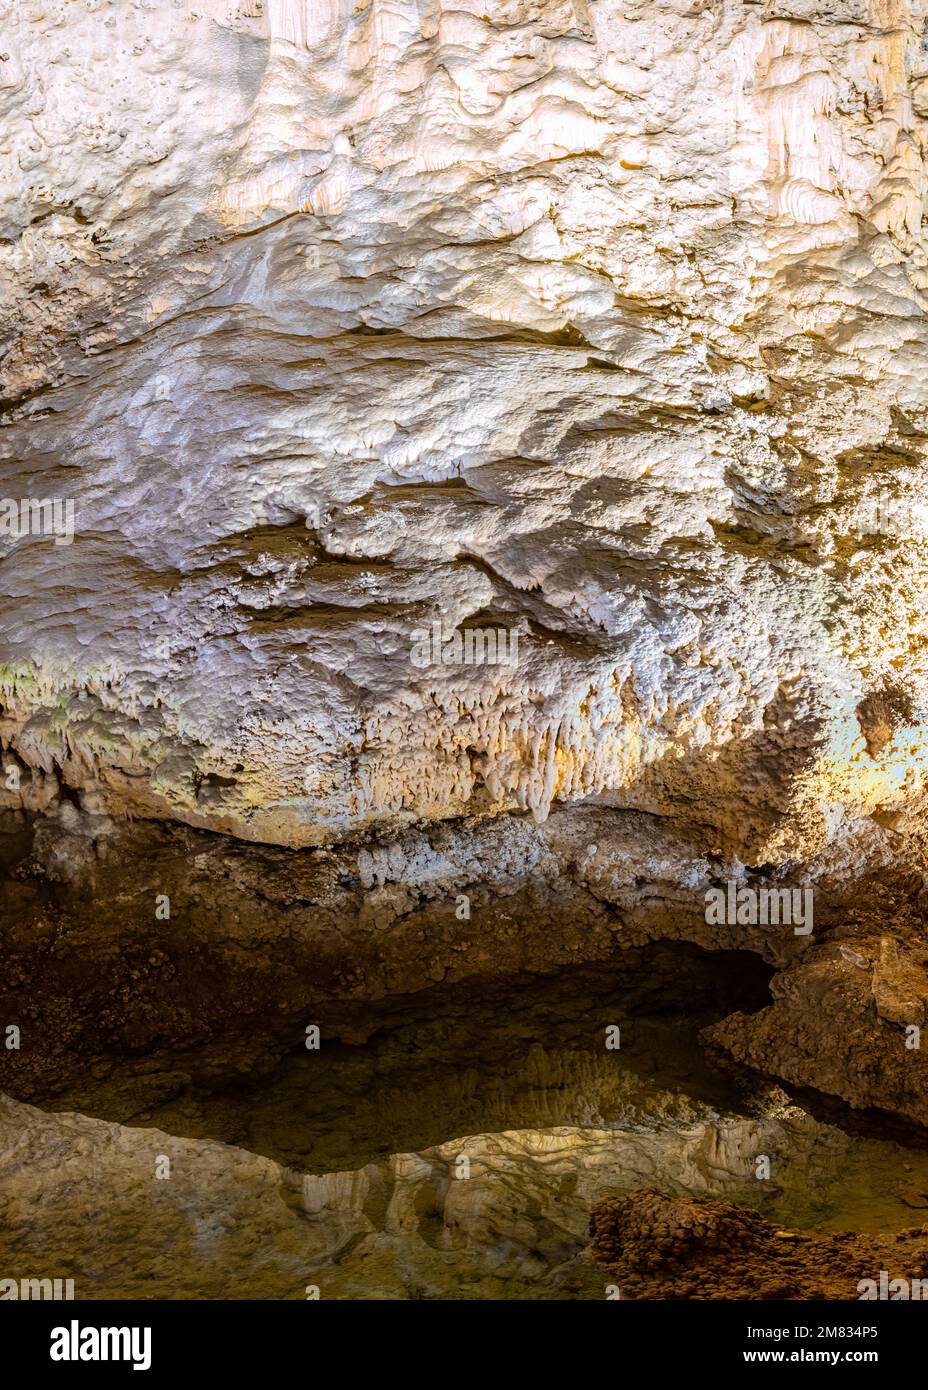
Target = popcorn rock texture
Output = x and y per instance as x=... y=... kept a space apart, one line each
x=677 y=1247
x=495 y=436
x=603 y=325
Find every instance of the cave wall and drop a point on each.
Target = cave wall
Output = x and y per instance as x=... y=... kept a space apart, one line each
x=601 y=325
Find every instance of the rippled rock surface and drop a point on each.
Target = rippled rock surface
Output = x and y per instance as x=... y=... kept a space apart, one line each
x=601 y=326
x=462 y=513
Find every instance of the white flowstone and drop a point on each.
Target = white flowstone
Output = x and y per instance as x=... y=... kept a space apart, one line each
x=604 y=324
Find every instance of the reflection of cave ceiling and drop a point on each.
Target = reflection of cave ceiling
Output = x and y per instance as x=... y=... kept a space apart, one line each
x=604 y=324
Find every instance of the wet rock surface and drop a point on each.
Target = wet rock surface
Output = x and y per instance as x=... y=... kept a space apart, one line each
x=342 y=337
x=140 y=1212
x=848 y=1023
x=170 y=956
x=678 y=1247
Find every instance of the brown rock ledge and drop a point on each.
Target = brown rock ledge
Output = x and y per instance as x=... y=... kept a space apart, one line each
x=697 y=1248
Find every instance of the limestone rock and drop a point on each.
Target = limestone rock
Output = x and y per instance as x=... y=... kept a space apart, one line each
x=463 y=500
x=601 y=326
x=666 y=1247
